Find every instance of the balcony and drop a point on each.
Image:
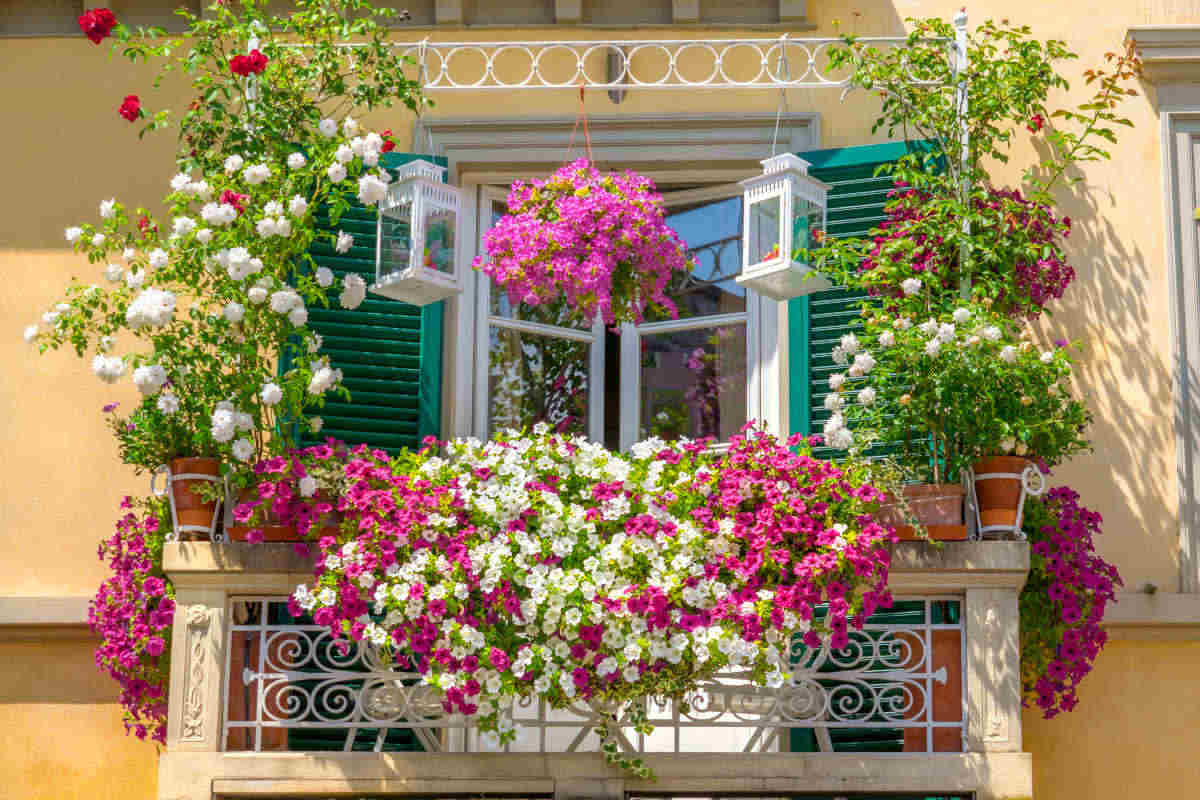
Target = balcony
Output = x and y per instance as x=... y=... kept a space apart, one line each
x=925 y=698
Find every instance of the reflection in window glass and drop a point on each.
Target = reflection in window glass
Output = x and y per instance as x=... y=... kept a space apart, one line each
x=764 y=229
x=694 y=383
x=713 y=235
x=535 y=379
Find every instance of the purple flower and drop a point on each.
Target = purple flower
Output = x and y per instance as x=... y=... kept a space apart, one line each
x=111 y=407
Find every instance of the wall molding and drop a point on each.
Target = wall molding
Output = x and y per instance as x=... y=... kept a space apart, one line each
x=1169 y=53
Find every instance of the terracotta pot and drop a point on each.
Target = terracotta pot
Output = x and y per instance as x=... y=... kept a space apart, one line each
x=273 y=530
x=191 y=510
x=937 y=506
x=999 y=498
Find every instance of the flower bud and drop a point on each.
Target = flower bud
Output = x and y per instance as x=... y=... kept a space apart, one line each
x=905 y=399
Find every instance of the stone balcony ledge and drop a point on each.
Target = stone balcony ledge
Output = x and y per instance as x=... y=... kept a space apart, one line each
x=917 y=567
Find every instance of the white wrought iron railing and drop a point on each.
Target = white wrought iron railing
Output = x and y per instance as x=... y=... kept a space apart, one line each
x=898 y=685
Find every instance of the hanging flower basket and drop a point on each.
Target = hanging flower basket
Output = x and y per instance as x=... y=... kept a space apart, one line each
x=598 y=241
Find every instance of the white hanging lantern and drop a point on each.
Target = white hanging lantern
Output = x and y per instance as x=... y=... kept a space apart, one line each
x=417 y=239
x=783 y=209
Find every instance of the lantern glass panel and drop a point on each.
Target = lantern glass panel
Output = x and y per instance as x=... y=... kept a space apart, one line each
x=765 y=230
x=395 y=236
x=806 y=222
x=439 y=239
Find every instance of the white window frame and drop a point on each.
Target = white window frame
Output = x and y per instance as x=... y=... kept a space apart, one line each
x=760 y=319
x=485 y=321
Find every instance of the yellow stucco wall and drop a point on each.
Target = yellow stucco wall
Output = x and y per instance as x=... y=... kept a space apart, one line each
x=65 y=149
x=63 y=737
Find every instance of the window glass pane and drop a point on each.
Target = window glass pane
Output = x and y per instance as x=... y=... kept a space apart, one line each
x=764 y=229
x=535 y=379
x=694 y=383
x=713 y=233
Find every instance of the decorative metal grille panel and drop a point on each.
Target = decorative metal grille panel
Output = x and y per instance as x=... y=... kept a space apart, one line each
x=291 y=686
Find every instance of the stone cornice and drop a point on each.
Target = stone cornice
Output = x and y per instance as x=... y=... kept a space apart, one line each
x=1169 y=53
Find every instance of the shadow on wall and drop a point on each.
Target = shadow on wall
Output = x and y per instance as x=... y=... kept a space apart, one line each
x=1124 y=377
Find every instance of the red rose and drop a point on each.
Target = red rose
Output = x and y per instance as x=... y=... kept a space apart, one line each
x=234 y=199
x=388 y=144
x=251 y=64
x=97 y=24
x=1035 y=123
x=131 y=109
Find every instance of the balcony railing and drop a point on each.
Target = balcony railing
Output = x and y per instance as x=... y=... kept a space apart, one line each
x=293 y=686
x=266 y=705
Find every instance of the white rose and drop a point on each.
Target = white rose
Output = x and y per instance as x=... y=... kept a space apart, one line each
x=158 y=258
x=315 y=424
x=328 y=128
x=324 y=277
x=336 y=173
x=836 y=380
x=182 y=226
x=256 y=174
x=933 y=347
x=234 y=312
x=97 y=239
x=283 y=227
x=1008 y=354
x=866 y=396
x=233 y=164
x=180 y=182
x=31 y=332
x=344 y=154
x=108 y=209
x=265 y=227
x=73 y=234
x=354 y=291
x=350 y=126
x=887 y=339
x=371 y=190
x=271 y=394
x=168 y=403
x=991 y=333
x=150 y=378
x=344 y=242
x=910 y=286
x=284 y=301
x=204 y=235
x=296 y=161
x=961 y=315
x=134 y=280
x=113 y=273
x=257 y=295
x=1047 y=356
x=298 y=316
x=243 y=449
x=298 y=206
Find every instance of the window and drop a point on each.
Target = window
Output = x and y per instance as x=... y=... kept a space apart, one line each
x=666 y=377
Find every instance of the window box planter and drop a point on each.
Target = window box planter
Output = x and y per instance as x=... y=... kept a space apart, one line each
x=937 y=506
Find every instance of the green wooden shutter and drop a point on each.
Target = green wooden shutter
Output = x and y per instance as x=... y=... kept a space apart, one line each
x=816 y=322
x=390 y=352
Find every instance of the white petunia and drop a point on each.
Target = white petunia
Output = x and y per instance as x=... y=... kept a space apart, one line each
x=371 y=190
x=866 y=396
x=73 y=234
x=298 y=206
x=336 y=173
x=344 y=242
x=113 y=273
x=150 y=378
x=961 y=315
x=328 y=128
x=271 y=394
x=298 y=316
x=1008 y=354
x=354 y=291
x=256 y=174
x=296 y=161
x=243 y=449
x=204 y=235
x=233 y=164
x=344 y=154
x=168 y=403
x=324 y=277
x=308 y=486
x=234 y=312
x=371 y=159
x=933 y=347
x=108 y=209
x=910 y=286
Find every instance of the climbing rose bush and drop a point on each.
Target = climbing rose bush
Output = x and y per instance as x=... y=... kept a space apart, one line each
x=598 y=240
x=1063 y=601
x=132 y=612
x=547 y=565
